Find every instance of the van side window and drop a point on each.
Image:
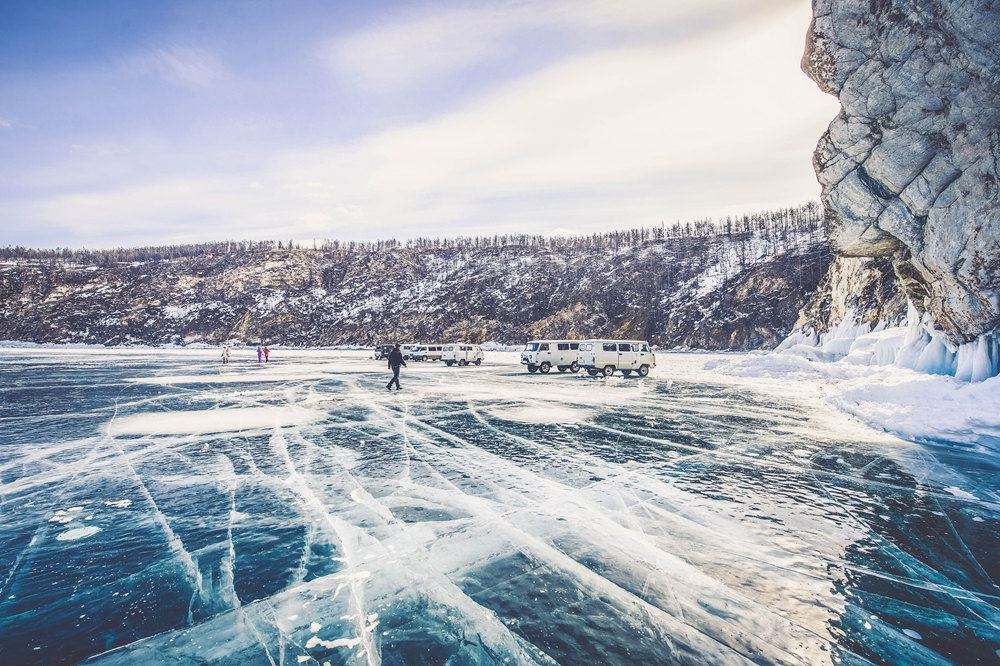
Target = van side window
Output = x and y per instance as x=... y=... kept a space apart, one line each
x=543 y=347
x=574 y=345
x=610 y=346
x=624 y=347
x=563 y=346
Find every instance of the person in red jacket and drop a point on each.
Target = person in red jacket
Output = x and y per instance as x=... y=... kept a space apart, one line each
x=267 y=354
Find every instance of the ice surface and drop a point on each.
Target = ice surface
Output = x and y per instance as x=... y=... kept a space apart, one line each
x=484 y=515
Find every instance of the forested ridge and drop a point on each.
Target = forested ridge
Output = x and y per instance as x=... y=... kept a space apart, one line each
x=733 y=283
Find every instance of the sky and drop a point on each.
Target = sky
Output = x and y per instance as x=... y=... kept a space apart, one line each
x=132 y=123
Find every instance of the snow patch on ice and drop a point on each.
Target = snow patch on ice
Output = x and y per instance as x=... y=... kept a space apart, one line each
x=920 y=406
x=539 y=413
x=911 y=404
x=958 y=492
x=63 y=516
x=78 y=533
x=213 y=420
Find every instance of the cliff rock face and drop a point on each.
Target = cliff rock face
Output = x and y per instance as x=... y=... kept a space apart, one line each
x=860 y=290
x=909 y=168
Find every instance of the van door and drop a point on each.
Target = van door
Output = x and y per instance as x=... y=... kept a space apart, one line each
x=645 y=355
x=608 y=355
x=626 y=356
x=563 y=354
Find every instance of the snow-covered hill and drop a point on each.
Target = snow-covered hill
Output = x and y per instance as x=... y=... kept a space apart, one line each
x=736 y=285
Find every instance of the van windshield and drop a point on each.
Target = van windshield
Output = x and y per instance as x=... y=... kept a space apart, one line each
x=531 y=346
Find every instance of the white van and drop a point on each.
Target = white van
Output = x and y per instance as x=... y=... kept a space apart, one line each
x=543 y=355
x=410 y=351
x=462 y=354
x=604 y=357
x=428 y=353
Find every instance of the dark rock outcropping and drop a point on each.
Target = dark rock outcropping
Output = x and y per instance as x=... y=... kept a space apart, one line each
x=910 y=168
x=858 y=289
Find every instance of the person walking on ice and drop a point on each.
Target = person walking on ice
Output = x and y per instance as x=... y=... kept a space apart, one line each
x=267 y=354
x=225 y=355
x=395 y=363
x=260 y=354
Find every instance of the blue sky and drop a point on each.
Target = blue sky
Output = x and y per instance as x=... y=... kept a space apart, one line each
x=126 y=123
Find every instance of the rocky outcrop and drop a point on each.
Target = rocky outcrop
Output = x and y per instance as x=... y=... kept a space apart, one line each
x=861 y=290
x=910 y=168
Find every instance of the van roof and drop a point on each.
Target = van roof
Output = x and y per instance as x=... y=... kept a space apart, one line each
x=638 y=342
x=552 y=340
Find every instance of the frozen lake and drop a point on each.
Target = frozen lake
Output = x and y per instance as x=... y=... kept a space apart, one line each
x=156 y=507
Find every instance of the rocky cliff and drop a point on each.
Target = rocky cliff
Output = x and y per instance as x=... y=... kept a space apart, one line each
x=909 y=168
x=735 y=288
x=862 y=290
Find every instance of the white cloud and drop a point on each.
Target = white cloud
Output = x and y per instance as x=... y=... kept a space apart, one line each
x=5 y=124
x=617 y=137
x=420 y=47
x=182 y=65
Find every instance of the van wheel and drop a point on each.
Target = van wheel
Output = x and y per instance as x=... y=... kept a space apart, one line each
x=463 y=362
x=643 y=370
x=626 y=373
x=532 y=369
x=478 y=361
x=574 y=367
x=545 y=367
x=449 y=363
x=609 y=370
x=593 y=372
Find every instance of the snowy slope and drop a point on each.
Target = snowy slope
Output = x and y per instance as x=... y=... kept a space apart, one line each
x=719 y=290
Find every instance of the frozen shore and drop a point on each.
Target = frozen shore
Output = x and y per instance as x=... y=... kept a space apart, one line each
x=910 y=404
x=907 y=403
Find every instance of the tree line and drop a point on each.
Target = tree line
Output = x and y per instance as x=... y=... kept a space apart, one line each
x=776 y=224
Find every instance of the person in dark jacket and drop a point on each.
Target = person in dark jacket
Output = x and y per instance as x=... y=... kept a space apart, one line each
x=395 y=363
